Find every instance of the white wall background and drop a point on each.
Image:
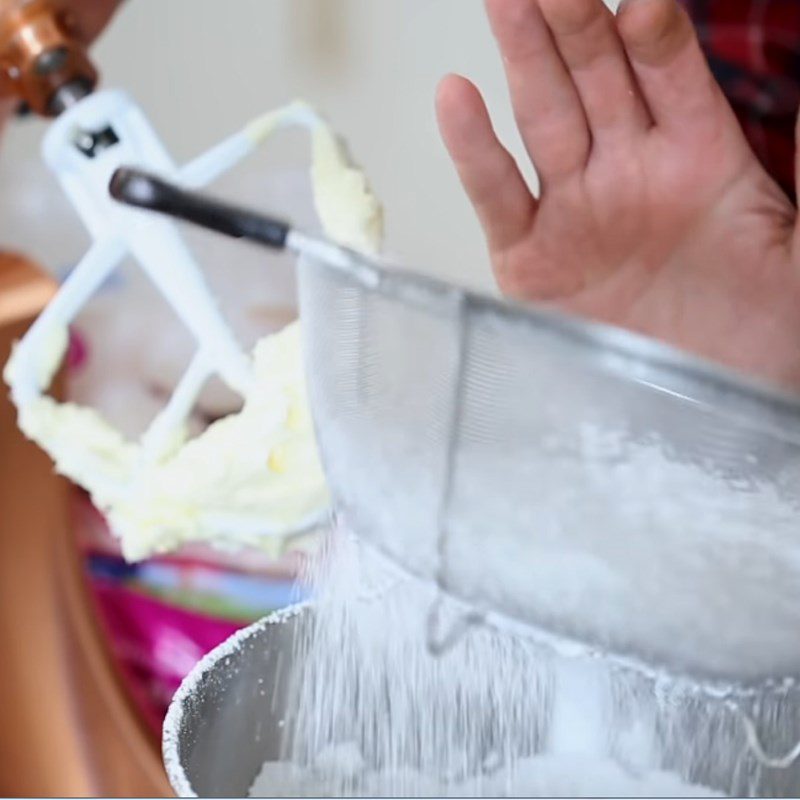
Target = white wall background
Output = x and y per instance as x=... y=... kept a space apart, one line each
x=200 y=68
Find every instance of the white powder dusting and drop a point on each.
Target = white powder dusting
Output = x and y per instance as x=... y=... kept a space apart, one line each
x=541 y=776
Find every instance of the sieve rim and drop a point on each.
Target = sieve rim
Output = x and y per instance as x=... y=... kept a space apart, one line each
x=631 y=356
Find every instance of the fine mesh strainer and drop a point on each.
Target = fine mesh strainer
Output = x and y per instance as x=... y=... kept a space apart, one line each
x=574 y=477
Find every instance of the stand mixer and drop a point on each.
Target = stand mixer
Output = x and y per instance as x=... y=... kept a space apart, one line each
x=69 y=727
x=46 y=70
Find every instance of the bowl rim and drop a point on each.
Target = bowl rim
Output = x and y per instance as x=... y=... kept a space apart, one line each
x=171 y=729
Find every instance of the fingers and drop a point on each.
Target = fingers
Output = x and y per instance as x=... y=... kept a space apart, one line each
x=578 y=77
x=488 y=172
x=546 y=103
x=586 y=36
x=670 y=67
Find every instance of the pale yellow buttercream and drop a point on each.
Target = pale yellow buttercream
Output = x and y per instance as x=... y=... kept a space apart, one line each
x=258 y=467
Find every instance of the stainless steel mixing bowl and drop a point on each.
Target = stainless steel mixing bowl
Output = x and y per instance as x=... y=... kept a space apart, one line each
x=231 y=712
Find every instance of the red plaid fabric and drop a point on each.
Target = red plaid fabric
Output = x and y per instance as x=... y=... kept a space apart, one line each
x=753 y=47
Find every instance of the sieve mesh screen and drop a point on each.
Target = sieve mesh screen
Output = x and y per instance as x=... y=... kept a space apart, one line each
x=572 y=476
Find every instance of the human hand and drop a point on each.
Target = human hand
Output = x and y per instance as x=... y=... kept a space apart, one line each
x=654 y=213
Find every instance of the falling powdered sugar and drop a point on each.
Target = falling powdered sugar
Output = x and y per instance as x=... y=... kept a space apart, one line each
x=375 y=713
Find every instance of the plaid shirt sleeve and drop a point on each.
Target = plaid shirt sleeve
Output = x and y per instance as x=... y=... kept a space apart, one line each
x=753 y=47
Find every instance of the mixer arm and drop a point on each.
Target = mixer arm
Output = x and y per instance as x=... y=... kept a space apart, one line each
x=168 y=425
x=38 y=354
x=230 y=151
x=222 y=157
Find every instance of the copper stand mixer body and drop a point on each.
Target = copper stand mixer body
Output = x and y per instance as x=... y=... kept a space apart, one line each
x=69 y=728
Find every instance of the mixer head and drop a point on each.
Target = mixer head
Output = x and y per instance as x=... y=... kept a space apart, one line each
x=43 y=51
